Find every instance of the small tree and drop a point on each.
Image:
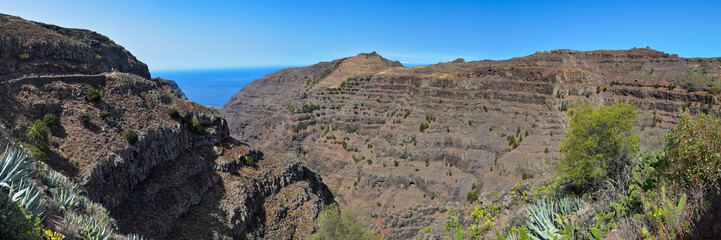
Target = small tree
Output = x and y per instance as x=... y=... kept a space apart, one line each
x=692 y=151
x=38 y=134
x=334 y=224
x=599 y=145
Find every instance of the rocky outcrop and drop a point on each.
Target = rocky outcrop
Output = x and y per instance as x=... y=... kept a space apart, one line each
x=485 y=122
x=184 y=171
x=28 y=47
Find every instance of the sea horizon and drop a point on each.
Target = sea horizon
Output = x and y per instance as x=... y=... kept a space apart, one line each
x=215 y=87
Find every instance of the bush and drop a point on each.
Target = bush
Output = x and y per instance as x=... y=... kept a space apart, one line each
x=423 y=127
x=50 y=120
x=472 y=196
x=599 y=145
x=84 y=118
x=172 y=112
x=334 y=224
x=692 y=151
x=196 y=127
x=104 y=114
x=130 y=135
x=92 y=95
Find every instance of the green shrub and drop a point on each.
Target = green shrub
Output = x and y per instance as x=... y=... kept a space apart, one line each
x=692 y=151
x=334 y=224
x=671 y=86
x=84 y=118
x=545 y=150
x=302 y=126
x=395 y=163
x=600 y=144
x=472 y=196
x=423 y=127
x=130 y=135
x=15 y=222
x=38 y=134
x=103 y=114
x=92 y=95
x=195 y=126
x=172 y=112
x=50 y=120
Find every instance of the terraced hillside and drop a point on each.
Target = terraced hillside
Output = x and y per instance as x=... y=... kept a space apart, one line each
x=390 y=140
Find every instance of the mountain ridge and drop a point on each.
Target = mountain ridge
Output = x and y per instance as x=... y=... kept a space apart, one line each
x=408 y=138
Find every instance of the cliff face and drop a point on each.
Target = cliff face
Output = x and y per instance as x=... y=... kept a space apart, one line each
x=184 y=178
x=28 y=47
x=401 y=137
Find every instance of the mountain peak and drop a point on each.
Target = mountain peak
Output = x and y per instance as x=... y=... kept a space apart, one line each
x=363 y=63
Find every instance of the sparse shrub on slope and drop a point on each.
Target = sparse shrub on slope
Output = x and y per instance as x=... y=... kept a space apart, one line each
x=195 y=127
x=130 y=135
x=334 y=224
x=172 y=112
x=50 y=120
x=599 y=145
x=92 y=95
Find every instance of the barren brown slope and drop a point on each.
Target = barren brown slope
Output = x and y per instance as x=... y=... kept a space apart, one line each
x=361 y=130
x=28 y=47
x=176 y=181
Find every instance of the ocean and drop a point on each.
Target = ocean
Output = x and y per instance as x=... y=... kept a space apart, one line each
x=214 y=87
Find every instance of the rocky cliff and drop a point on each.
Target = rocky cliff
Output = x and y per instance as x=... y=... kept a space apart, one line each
x=394 y=138
x=182 y=178
x=28 y=47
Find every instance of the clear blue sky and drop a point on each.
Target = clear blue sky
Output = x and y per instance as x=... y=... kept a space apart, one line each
x=221 y=34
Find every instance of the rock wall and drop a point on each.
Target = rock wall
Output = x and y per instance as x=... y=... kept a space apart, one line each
x=36 y=48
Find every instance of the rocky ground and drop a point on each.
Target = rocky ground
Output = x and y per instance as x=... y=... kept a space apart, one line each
x=389 y=138
x=184 y=177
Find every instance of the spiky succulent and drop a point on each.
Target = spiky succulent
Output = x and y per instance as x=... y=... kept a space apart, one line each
x=541 y=216
x=28 y=196
x=13 y=167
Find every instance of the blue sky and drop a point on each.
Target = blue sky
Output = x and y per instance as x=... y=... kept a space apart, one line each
x=224 y=34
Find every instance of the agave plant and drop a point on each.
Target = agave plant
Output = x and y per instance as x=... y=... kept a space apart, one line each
x=13 y=167
x=56 y=179
x=135 y=237
x=540 y=219
x=65 y=198
x=543 y=217
x=28 y=196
